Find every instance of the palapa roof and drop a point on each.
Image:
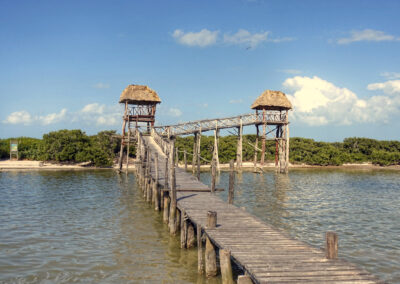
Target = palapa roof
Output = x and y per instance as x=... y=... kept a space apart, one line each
x=134 y=94
x=273 y=100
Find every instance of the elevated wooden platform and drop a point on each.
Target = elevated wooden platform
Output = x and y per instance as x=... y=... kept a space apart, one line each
x=267 y=254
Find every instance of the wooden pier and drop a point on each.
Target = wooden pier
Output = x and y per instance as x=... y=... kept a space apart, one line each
x=264 y=253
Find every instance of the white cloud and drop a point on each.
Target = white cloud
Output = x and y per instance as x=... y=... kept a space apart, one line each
x=238 y=101
x=319 y=102
x=367 y=35
x=389 y=87
x=101 y=86
x=244 y=37
x=202 y=38
x=391 y=75
x=19 y=117
x=52 y=117
x=175 y=112
x=99 y=114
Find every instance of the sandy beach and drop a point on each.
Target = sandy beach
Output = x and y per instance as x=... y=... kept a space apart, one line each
x=247 y=166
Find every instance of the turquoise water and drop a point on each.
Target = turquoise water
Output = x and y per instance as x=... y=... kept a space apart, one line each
x=93 y=226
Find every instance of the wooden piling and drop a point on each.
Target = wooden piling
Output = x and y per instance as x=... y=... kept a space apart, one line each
x=176 y=157
x=244 y=279
x=211 y=259
x=213 y=175
x=239 y=152
x=263 y=139
x=198 y=144
x=215 y=152
x=185 y=159
x=190 y=237
x=231 y=182
x=184 y=224
x=166 y=203
x=121 y=151
x=226 y=266
x=172 y=209
x=200 y=258
x=211 y=219
x=156 y=191
x=128 y=146
x=331 y=245
x=194 y=157
x=256 y=150
x=287 y=147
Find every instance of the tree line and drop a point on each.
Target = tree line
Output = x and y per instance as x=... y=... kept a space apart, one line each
x=101 y=150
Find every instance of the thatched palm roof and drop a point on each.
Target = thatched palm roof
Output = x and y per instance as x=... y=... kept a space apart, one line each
x=273 y=100
x=134 y=94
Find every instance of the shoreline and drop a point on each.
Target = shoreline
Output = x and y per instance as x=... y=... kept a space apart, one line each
x=246 y=166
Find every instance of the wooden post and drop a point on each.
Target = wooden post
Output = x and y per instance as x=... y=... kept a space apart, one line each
x=263 y=139
x=200 y=259
x=211 y=259
x=185 y=159
x=176 y=157
x=156 y=191
x=213 y=175
x=172 y=209
x=198 y=154
x=256 y=150
x=244 y=279
x=287 y=143
x=190 y=238
x=231 y=182
x=166 y=202
x=184 y=224
x=149 y=179
x=211 y=219
x=128 y=146
x=166 y=184
x=121 y=151
x=226 y=266
x=194 y=157
x=215 y=152
x=331 y=245
x=239 y=152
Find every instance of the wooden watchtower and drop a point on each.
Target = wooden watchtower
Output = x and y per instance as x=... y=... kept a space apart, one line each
x=140 y=110
x=272 y=109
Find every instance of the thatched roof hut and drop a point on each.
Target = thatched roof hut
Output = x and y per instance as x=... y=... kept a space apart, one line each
x=138 y=94
x=272 y=100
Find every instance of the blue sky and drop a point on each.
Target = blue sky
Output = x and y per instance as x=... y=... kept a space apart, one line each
x=64 y=64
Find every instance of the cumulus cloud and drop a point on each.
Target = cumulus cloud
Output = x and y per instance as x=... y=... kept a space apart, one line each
x=202 y=38
x=19 y=117
x=52 y=117
x=25 y=118
x=389 y=87
x=319 y=102
x=99 y=114
x=391 y=75
x=244 y=37
x=367 y=35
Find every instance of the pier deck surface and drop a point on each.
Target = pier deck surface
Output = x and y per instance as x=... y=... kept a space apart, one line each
x=266 y=253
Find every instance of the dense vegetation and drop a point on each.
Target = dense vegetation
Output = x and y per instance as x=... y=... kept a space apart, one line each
x=67 y=146
x=102 y=149
x=302 y=150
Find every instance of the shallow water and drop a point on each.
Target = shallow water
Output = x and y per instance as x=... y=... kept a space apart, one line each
x=93 y=226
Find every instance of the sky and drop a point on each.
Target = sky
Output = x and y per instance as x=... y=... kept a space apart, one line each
x=64 y=64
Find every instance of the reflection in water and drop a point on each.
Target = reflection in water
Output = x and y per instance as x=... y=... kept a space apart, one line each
x=89 y=226
x=363 y=207
x=93 y=226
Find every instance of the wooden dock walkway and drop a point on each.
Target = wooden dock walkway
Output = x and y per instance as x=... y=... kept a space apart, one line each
x=266 y=254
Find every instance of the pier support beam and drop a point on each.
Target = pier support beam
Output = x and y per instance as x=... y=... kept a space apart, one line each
x=226 y=266
x=231 y=183
x=211 y=259
x=200 y=258
x=194 y=157
x=215 y=152
x=239 y=152
x=172 y=192
x=263 y=138
x=256 y=150
x=121 y=151
x=198 y=144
